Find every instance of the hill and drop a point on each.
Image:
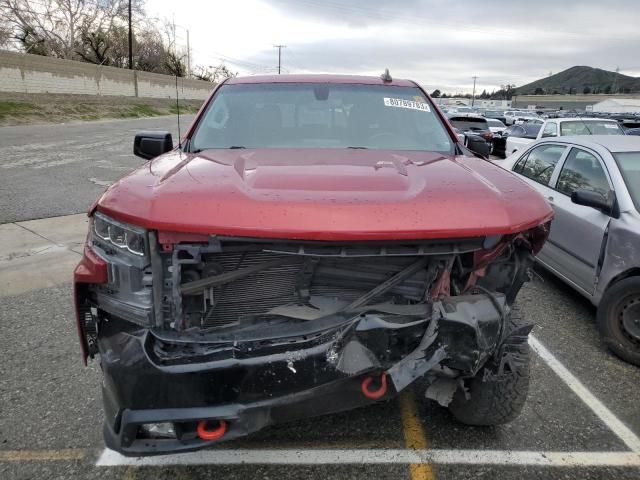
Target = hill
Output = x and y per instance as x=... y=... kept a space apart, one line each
x=582 y=79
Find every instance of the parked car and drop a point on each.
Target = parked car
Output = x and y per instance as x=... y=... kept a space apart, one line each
x=526 y=130
x=498 y=115
x=496 y=126
x=555 y=127
x=524 y=119
x=476 y=131
x=510 y=116
x=461 y=110
x=593 y=184
x=312 y=244
x=628 y=123
x=633 y=131
x=527 y=117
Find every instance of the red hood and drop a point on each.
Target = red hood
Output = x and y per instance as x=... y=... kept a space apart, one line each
x=325 y=194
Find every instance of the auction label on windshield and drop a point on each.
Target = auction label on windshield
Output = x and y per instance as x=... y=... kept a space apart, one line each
x=410 y=104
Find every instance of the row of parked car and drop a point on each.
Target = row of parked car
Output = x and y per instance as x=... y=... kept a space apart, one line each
x=487 y=132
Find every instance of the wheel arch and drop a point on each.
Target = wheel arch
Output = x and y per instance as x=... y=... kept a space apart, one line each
x=631 y=272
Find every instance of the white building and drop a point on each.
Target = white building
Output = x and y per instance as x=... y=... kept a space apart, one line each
x=617 y=105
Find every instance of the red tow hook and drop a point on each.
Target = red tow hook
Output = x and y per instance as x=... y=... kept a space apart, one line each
x=374 y=394
x=215 y=434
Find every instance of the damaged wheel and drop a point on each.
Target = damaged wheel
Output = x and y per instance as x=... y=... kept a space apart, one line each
x=498 y=392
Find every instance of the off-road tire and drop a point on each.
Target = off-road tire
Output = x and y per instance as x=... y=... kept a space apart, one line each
x=493 y=397
x=622 y=294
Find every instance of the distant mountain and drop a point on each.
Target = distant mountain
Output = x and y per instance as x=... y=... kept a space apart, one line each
x=582 y=80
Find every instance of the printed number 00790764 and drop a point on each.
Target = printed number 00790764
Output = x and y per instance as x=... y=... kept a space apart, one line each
x=410 y=104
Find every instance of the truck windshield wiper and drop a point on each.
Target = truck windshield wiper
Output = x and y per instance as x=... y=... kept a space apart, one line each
x=232 y=147
x=358 y=148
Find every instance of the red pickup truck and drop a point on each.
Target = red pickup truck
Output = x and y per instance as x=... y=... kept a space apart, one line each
x=312 y=244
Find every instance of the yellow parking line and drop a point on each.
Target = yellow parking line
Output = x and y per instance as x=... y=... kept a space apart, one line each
x=42 y=455
x=414 y=436
x=130 y=473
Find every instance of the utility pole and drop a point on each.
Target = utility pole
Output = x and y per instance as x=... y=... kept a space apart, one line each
x=615 y=80
x=280 y=47
x=188 y=57
x=473 y=95
x=130 y=40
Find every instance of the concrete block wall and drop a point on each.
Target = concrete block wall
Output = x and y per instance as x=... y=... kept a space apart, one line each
x=155 y=85
x=27 y=73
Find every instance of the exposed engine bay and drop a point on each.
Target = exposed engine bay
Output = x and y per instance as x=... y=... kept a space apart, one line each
x=232 y=289
x=288 y=316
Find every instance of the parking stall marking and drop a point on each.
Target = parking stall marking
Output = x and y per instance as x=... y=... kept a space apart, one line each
x=416 y=454
x=608 y=418
x=414 y=435
x=42 y=455
x=110 y=458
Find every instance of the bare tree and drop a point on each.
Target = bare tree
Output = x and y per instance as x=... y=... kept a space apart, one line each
x=212 y=73
x=94 y=31
x=59 y=28
x=174 y=64
x=149 y=51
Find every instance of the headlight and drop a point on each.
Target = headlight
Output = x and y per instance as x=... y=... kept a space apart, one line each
x=120 y=235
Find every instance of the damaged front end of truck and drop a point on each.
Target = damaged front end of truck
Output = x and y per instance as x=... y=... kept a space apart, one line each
x=207 y=338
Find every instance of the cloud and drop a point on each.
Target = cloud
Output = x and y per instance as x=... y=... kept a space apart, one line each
x=443 y=44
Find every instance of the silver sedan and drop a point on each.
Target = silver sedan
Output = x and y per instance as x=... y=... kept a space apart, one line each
x=593 y=185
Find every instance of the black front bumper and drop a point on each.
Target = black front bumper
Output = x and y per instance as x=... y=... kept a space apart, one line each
x=149 y=379
x=248 y=395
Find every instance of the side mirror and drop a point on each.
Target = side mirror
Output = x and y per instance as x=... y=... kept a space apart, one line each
x=546 y=135
x=150 y=145
x=595 y=200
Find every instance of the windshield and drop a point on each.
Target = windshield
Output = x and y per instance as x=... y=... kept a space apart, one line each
x=321 y=115
x=629 y=164
x=590 y=127
x=494 y=123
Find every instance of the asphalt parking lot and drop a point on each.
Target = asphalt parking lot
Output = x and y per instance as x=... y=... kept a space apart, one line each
x=582 y=419
x=51 y=170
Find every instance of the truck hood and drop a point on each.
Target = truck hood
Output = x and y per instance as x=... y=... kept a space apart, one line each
x=325 y=194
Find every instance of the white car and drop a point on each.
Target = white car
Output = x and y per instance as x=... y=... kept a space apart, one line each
x=560 y=127
x=525 y=119
x=511 y=116
x=496 y=126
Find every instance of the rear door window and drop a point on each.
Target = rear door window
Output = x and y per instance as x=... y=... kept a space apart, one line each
x=540 y=163
x=582 y=171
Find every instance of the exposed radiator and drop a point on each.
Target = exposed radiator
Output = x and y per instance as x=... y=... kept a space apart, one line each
x=301 y=277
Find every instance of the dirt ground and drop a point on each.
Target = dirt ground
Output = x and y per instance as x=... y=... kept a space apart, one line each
x=21 y=109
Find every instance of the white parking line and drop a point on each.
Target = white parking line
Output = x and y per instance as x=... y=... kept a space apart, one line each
x=424 y=456
x=610 y=420
x=110 y=458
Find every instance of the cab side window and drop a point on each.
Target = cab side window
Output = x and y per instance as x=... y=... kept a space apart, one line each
x=582 y=171
x=517 y=131
x=540 y=163
x=550 y=130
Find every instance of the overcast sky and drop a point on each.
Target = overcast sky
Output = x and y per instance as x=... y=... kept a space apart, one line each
x=441 y=44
